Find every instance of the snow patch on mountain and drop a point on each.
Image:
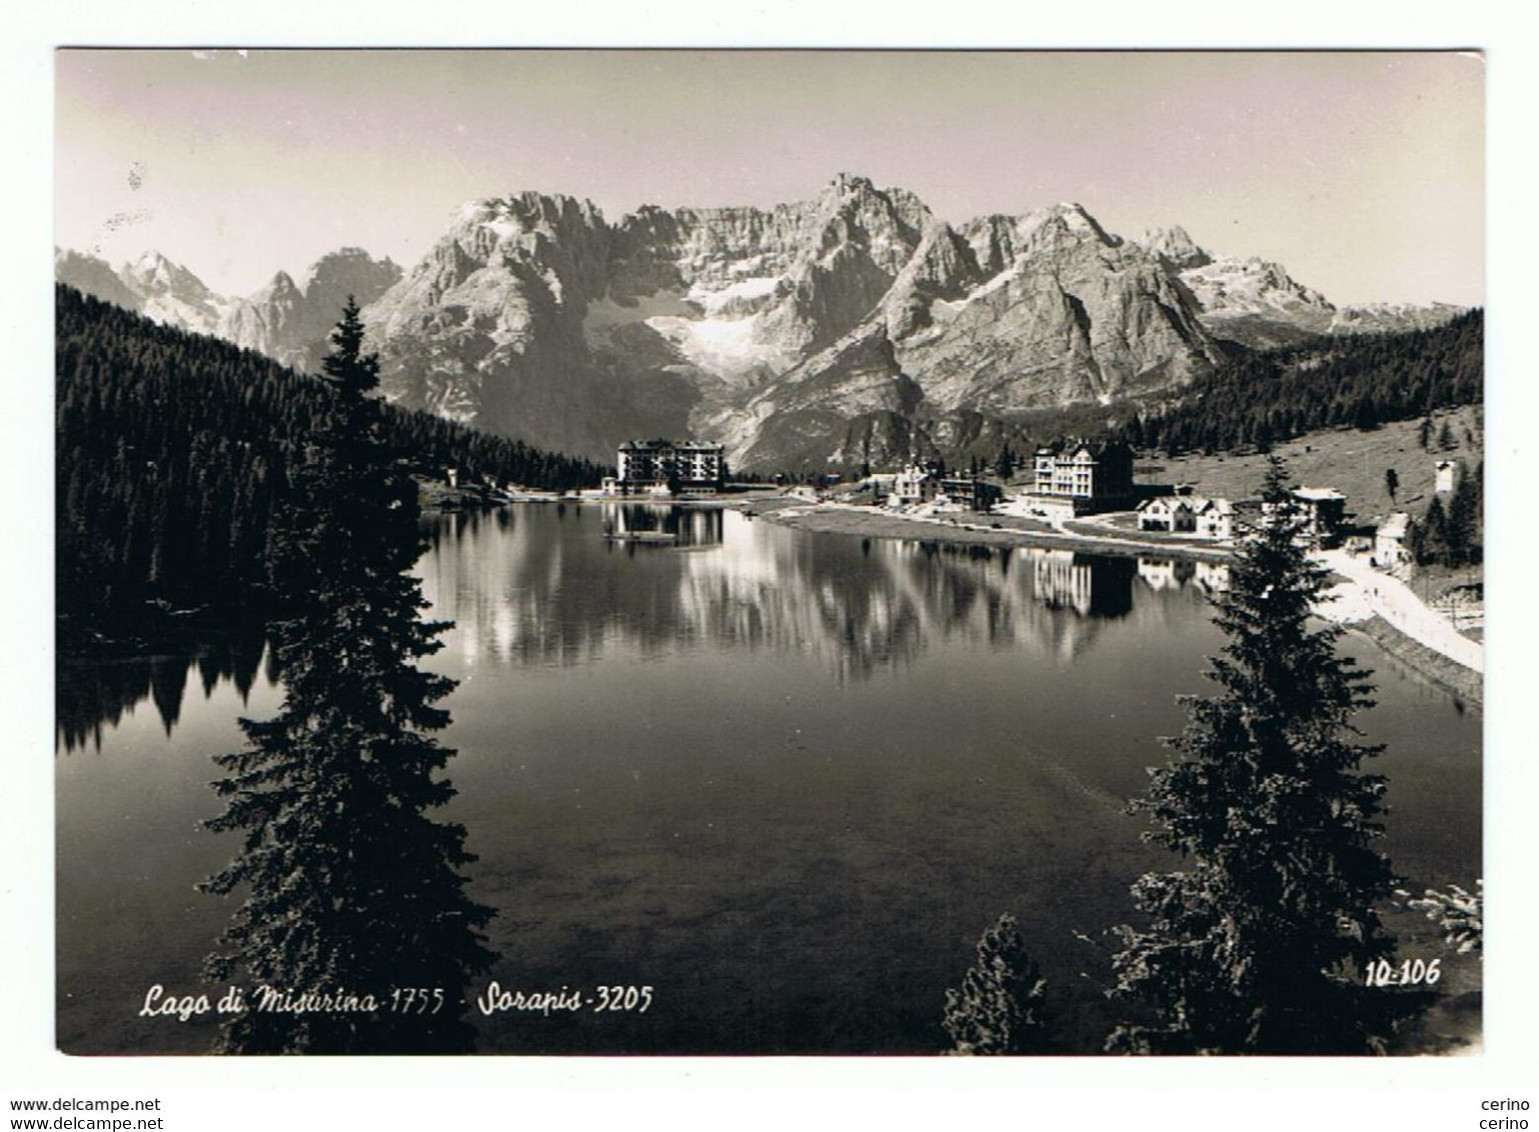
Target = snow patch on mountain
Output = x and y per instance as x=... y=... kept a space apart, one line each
x=1228 y=287
x=725 y=347
x=746 y=291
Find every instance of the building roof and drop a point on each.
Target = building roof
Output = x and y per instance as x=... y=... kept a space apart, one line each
x=1097 y=449
x=1317 y=494
x=1168 y=502
x=1396 y=526
x=656 y=445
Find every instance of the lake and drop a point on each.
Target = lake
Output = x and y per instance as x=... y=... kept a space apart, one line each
x=784 y=779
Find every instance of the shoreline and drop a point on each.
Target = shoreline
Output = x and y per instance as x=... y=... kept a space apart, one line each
x=1463 y=682
x=800 y=515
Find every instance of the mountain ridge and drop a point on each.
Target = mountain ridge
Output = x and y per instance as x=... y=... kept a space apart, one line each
x=800 y=334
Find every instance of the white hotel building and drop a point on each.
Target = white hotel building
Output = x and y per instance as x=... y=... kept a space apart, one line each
x=645 y=466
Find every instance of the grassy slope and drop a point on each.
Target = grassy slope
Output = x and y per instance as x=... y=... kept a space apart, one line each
x=1350 y=461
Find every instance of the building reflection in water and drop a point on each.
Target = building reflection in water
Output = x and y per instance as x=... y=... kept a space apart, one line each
x=1091 y=587
x=552 y=588
x=688 y=526
x=543 y=584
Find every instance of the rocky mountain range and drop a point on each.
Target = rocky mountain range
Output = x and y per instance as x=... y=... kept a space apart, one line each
x=853 y=326
x=1256 y=303
x=285 y=320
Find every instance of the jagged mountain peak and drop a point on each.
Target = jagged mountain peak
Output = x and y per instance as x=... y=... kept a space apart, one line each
x=528 y=211
x=1000 y=240
x=290 y=321
x=155 y=273
x=282 y=283
x=348 y=271
x=345 y=256
x=149 y=262
x=1073 y=218
x=776 y=329
x=1175 y=247
x=852 y=182
x=855 y=187
x=172 y=294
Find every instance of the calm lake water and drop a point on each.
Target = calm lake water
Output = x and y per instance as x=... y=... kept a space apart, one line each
x=784 y=779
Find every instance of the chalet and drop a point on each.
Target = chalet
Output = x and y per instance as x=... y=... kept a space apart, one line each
x=1188 y=514
x=693 y=466
x=1080 y=478
x=1174 y=513
x=1323 y=512
x=1215 y=519
x=1447 y=476
x=914 y=484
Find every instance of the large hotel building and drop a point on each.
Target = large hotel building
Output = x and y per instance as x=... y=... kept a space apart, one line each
x=1079 y=478
x=696 y=465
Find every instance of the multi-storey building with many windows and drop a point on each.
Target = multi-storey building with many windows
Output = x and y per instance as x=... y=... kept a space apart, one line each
x=1081 y=477
x=690 y=465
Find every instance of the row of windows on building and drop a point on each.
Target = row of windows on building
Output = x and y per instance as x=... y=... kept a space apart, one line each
x=667 y=466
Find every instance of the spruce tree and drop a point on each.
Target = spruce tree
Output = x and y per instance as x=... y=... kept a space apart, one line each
x=998 y=1008
x=1258 y=945
x=350 y=886
x=1434 y=538
x=1463 y=520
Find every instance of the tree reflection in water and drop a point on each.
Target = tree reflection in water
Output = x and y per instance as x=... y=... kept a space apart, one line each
x=93 y=695
x=537 y=590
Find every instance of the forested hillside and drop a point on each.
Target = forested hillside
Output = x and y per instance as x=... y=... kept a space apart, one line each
x=1361 y=381
x=173 y=451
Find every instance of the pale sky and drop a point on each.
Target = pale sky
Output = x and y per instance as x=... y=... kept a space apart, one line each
x=1361 y=173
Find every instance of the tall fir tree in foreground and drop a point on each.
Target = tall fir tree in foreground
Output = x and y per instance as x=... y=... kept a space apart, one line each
x=1259 y=944
x=350 y=886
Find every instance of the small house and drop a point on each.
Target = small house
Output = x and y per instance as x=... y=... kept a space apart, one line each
x=1215 y=519
x=1170 y=513
x=914 y=484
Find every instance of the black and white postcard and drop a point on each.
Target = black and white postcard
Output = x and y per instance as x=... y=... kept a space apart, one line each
x=684 y=552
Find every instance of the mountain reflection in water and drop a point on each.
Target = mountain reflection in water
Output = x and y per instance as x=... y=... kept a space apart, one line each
x=540 y=585
x=783 y=777
x=855 y=605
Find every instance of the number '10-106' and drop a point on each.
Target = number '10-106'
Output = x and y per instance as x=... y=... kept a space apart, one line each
x=1407 y=974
